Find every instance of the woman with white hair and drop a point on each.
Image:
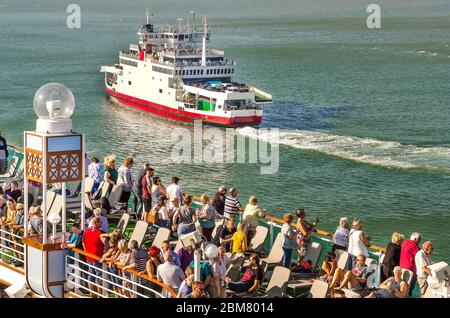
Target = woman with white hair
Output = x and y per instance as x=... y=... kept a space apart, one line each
x=340 y=237
x=98 y=213
x=357 y=241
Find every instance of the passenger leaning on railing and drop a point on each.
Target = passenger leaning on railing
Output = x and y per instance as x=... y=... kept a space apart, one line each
x=252 y=214
x=289 y=242
x=93 y=243
x=122 y=260
x=340 y=237
x=36 y=222
x=206 y=215
x=358 y=242
x=169 y=273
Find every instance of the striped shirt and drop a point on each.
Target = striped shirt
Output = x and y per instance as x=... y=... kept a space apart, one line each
x=232 y=205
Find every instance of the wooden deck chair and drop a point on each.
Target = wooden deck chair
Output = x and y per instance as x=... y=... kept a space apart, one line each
x=11 y=169
x=278 y=282
x=276 y=253
x=162 y=235
x=341 y=258
x=257 y=242
x=50 y=197
x=88 y=184
x=318 y=289
x=138 y=232
x=123 y=223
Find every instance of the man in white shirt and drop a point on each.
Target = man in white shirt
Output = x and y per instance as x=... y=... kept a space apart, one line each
x=174 y=191
x=422 y=260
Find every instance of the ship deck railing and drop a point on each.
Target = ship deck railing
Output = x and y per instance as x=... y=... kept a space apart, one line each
x=138 y=285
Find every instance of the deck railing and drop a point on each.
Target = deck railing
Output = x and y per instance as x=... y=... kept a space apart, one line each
x=78 y=273
x=11 y=246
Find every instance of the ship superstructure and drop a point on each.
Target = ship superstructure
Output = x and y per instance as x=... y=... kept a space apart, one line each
x=170 y=72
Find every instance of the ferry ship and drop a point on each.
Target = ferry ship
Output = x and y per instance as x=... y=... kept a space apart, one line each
x=171 y=73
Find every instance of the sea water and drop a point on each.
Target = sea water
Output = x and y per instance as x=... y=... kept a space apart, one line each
x=363 y=113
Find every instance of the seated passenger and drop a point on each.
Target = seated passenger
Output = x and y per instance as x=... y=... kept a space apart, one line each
x=393 y=287
x=251 y=280
x=329 y=266
x=355 y=279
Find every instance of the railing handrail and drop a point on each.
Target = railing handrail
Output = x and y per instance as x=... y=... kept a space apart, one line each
x=320 y=232
x=131 y=271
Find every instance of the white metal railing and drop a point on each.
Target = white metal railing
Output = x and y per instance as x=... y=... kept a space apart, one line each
x=10 y=245
x=78 y=274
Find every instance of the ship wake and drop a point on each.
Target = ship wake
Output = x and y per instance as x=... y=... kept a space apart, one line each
x=389 y=154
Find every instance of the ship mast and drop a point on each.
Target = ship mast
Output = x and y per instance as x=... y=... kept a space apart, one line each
x=147 y=14
x=205 y=30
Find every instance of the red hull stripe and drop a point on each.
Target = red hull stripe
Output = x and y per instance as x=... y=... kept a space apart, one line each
x=182 y=115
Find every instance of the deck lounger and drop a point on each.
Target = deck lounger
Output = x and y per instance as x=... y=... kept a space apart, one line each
x=341 y=258
x=318 y=289
x=56 y=206
x=257 y=242
x=278 y=282
x=88 y=184
x=88 y=202
x=370 y=261
x=162 y=235
x=312 y=254
x=74 y=188
x=276 y=253
x=11 y=170
x=234 y=268
x=407 y=275
x=178 y=246
x=50 y=197
x=114 y=197
x=123 y=223
x=216 y=232
x=350 y=293
x=104 y=189
x=138 y=233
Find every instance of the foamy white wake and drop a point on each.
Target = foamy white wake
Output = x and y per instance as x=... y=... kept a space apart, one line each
x=366 y=150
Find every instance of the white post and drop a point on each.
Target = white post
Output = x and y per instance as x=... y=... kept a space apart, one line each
x=25 y=188
x=63 y=188
x=83 y=151
x=44 y=191
x=197 y=265
x=204 y=50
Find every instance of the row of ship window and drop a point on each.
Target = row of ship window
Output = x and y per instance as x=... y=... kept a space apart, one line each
x=208 y=72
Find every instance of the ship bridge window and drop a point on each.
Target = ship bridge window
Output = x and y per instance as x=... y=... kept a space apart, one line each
x=190 y=72
x=181 y=37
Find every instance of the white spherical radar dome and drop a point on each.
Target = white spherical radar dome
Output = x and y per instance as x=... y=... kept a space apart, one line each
x=54 y=101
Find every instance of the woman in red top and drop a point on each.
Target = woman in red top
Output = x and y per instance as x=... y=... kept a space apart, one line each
x=94 y=243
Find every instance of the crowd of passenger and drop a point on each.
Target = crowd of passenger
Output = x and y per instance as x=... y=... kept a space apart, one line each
x=169 y=207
